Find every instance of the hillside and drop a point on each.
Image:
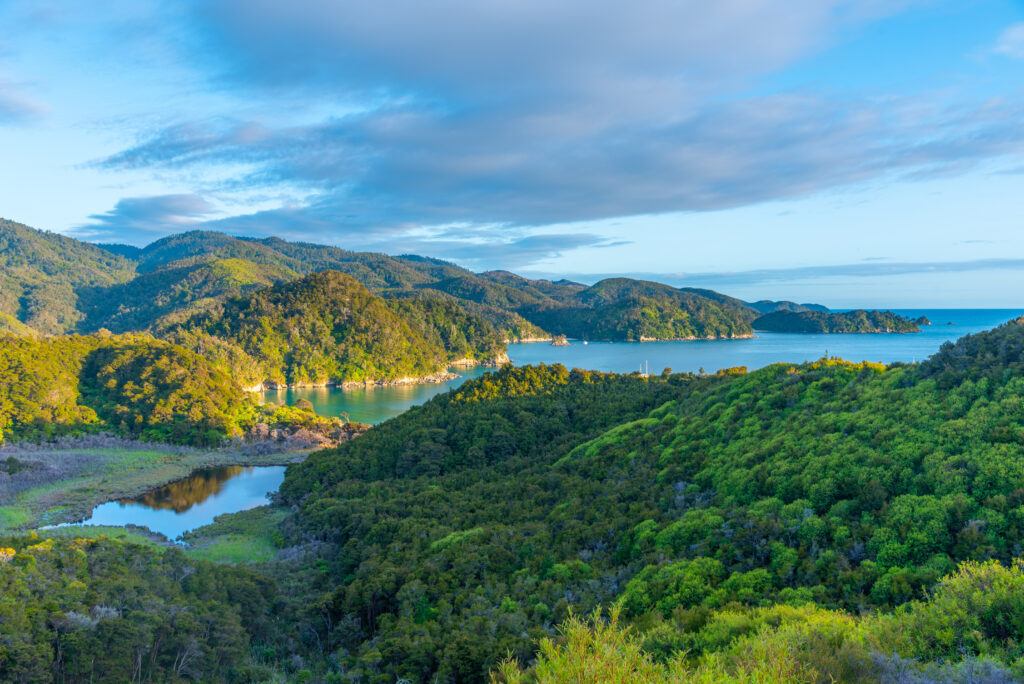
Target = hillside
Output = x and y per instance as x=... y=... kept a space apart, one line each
x=41 y=273
x=859 y=321
x=173 y=293
x=625 y=309
x=88 y=609
x=767 y=306
x=133 y=386
x=323 y=328
x=54 y=284
x=445 y=323
x=516 y=307
x=376 y=271
x=831 y=484
x=559 y=290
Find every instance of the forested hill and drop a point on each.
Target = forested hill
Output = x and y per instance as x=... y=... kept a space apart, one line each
x=41 y=274
x=55 y=284
x=159 y=299
x=327 y=327
x=859 y=321
x=766 y=306
x=130 y=385
x=693 y=502
x=626 y=309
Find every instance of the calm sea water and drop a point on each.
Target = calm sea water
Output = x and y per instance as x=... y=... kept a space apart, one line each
x=193 y=502
x=369 y=405
x=379 y=404
x=768 y=348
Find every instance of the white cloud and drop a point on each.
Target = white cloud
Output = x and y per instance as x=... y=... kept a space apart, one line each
x=1011 y=41
x=16 y=106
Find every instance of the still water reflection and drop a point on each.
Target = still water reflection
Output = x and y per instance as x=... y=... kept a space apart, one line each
x=193 y=502
x=369 y=404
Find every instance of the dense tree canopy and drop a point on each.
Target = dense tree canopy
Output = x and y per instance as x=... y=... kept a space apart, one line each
x=41 y=273
x=859 y=321
x=465 y=528
x=323 y=328
x=98 y=610
x=131 y=385
x=624 y=309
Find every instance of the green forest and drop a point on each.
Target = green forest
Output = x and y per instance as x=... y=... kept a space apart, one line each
x=96 y=610
x=814 y=522
x=858 y=321
x=203 y=282
x=682 y=500
x=130 y=385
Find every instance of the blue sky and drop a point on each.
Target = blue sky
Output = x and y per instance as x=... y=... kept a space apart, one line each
x=853 y=152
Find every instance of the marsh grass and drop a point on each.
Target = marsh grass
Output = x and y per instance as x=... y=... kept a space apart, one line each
x=245 y=537
x=63 y=481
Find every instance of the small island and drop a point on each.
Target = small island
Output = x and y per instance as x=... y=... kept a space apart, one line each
x=559 y=341
x=859 y=321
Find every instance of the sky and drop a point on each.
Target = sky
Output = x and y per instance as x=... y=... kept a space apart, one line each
x=848 y=152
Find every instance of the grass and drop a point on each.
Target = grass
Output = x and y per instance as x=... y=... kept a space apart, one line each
x=245 y=537
x=234 y=548
x=107 y=474
x=123 y=534
x=113 y=474
x=13 y=517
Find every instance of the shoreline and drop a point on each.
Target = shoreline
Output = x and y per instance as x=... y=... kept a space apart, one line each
x=116 y=474
x=437 y=378
x=580 y=340
x=843 y=332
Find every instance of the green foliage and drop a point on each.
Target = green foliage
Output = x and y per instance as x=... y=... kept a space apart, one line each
x=848 y=486
x=41 y=272
x=457 y=493
x=170 y=295
x=103 y=611
x=970 y=629
x=995 y=356
x=845 y=322
x=162 y=393
x=131 y=385
x=624 y=309
x=443 y=323
x=324 y=327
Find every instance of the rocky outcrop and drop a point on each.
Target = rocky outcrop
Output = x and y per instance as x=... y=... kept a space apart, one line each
x=527 y=340
x=304 y=438
x=440 y=376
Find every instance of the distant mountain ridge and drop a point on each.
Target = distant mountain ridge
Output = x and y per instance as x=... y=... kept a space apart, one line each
x=767 y=306
x=193 y=287
x=41 y=274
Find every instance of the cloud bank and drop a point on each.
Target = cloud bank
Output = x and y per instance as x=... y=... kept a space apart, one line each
x=460 y=127
x=140 y=220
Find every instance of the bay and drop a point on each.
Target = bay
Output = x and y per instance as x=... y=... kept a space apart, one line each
x=768 y=348
x=375 y=405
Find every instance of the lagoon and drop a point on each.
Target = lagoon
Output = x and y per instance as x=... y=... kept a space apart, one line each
x=187 y=504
